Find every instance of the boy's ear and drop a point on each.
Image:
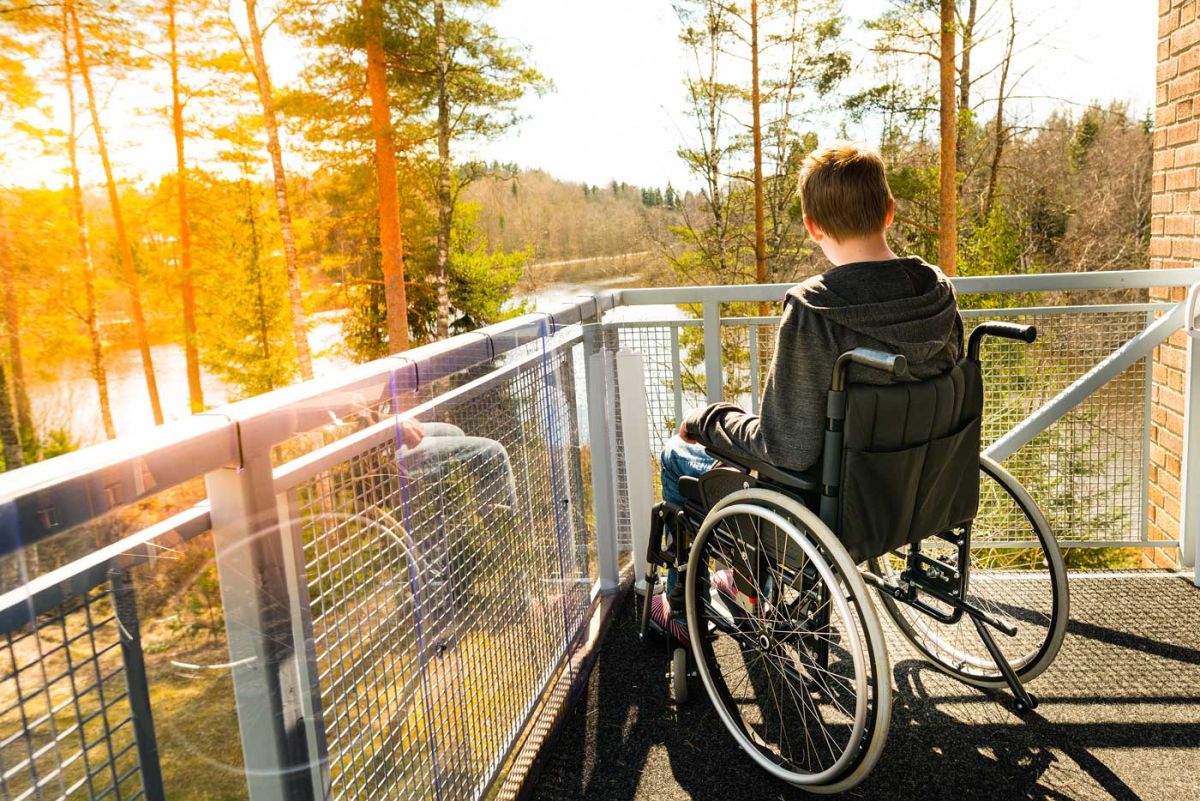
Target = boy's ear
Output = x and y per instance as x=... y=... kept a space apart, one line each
x=891 y=213
x=814 y=230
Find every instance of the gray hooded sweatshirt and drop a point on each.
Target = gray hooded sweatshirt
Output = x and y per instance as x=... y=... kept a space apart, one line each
x=900 y=306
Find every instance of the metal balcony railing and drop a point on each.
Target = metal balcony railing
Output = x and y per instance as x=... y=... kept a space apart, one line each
x=390 y=623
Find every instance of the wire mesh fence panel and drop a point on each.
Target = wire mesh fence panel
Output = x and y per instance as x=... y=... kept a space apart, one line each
x=1087 y=470
x=66 y=725
x=674 y=384
x=448 y=579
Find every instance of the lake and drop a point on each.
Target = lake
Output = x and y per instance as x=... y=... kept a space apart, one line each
x=69 y=401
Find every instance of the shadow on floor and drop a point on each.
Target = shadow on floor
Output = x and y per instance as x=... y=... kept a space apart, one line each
x=624 y=739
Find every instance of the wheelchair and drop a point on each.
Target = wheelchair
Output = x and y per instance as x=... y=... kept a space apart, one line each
x=771 y=569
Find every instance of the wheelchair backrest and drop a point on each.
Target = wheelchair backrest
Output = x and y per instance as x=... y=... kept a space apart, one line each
x=910 y=460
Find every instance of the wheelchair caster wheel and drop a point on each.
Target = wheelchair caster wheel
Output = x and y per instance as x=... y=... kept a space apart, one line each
x=679 y=687
x=1022 y=707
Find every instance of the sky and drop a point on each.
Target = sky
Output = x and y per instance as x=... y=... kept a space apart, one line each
x=616 y=110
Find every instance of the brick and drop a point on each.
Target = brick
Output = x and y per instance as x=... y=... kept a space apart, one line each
x=1160 y=95
x=1163 y=204
x=1187 y=13
x=1179 y=225
x=1185 y=109
x=1186 y=248
x=1164 y=159
x=1187 y=155
x=1164 y=115
x=1184 y=36
x=1187 y=61
x=1181 y=179
x=1158 y=245
x=1168 y=69
x=1184 y=86
x=1170 y=508
x=1158 y=183
x=1172 y=443
x=1164 y=49
x=1183 y=133
x=1171 y=357
x=1181 y=202
x=1176 y=264
x=1168 y=24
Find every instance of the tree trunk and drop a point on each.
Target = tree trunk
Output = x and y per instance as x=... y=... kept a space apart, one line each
x=114 y=201
x=964 y=76
x=299 y=323
x=760 y=233
x=390 y=242
x=445 y=211
x=9 y=439
x=187 y=287
x=998 y=130
x=99 y=375
x=948 y=222
x=12 y=318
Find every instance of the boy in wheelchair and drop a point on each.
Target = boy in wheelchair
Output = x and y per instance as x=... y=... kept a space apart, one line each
x=870 y=298
x=863 y=470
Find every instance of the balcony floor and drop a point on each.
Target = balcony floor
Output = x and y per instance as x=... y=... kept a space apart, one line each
x=1119 y=718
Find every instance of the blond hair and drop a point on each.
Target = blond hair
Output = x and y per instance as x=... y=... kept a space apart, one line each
x=844 y=190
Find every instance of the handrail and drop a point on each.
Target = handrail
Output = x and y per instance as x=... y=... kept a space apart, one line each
x=42 y=499
x=45 y=498
x=964 y=285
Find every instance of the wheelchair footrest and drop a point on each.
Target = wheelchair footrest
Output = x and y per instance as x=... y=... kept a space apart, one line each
x=664 y=621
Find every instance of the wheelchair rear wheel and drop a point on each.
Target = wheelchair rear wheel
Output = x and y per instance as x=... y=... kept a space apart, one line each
x=787 y=642
x=1016 y=573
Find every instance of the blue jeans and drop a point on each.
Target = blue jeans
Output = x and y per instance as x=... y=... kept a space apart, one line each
x=681 y=459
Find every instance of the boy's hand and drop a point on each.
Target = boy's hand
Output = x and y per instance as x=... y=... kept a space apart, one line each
x=684 y=435
x=411 y=433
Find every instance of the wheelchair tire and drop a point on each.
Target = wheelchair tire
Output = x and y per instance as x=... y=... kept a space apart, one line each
x=679 y=683
x=800 y=675
x=1026 y=586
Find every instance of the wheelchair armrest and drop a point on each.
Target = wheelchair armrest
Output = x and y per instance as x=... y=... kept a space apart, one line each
x=992 y=328
x=787 y=478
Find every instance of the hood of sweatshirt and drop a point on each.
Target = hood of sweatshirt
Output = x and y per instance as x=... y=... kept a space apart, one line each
x=906 y=304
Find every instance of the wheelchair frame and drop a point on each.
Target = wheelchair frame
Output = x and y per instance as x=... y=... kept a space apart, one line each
x=946 y=583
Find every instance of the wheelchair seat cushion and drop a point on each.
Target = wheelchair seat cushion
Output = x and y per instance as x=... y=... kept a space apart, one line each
x=910 y=461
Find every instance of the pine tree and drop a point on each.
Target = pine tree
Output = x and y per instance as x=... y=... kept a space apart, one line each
x=124 y=249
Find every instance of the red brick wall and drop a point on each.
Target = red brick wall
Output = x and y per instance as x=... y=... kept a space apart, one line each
x=1174 y=242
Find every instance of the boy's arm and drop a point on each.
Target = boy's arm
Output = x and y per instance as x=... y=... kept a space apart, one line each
x=789 y=432
x=793 y=401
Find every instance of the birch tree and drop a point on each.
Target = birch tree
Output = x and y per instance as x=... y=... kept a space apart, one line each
x=258 y=62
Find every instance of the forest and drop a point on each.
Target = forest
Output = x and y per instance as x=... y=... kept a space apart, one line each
x=341 y=191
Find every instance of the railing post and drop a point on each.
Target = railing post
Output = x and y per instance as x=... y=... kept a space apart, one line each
x=125 y=609
x=597 y=368
x=714 y=386
x=1189 y=501
x=292 y=540
x=635 y=435
x=263 y=651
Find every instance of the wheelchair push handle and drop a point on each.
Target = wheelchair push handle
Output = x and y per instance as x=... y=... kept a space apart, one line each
x=891 y=363
x=1024 y=333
